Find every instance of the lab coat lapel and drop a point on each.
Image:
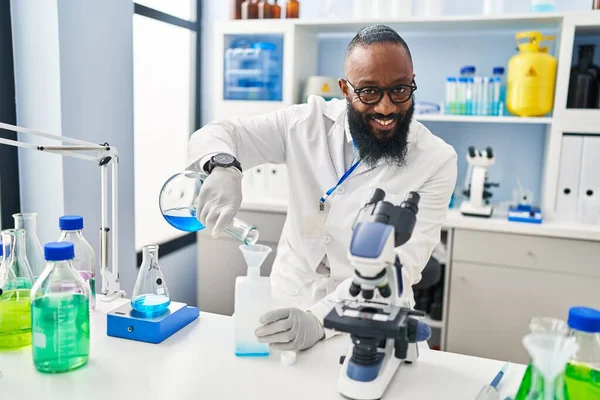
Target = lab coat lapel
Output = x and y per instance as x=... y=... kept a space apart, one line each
x=336 y=140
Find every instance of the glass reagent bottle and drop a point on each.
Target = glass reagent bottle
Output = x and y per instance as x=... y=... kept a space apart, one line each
x=71 y=227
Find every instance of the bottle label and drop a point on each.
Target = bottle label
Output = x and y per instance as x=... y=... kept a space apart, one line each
x=39 y=340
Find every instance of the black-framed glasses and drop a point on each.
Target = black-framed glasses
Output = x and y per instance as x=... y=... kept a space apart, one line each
x=372 y=95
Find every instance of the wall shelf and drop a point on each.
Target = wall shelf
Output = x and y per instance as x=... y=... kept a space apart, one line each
x=483 y=119
x=541 y=21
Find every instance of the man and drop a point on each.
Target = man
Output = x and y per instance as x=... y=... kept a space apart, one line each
x=369 y=140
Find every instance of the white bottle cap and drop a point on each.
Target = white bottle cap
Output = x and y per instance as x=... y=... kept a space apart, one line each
x=288 y=358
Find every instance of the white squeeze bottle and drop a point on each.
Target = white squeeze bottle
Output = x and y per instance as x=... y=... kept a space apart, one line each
x=252 y=300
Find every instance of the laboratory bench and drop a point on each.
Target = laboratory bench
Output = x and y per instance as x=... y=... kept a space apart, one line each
x=497 y=275
x=198 y=362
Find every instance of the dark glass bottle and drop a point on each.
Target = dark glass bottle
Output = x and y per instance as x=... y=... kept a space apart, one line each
x=583 y=83
x=292 y=9
x=250 y=9
x=264 y=9
x=276 y=10
x=236 y=9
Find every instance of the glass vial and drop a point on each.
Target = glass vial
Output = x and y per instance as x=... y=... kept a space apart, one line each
x=60 y=313
x=35 y=256
x=150 y=295
x=276 y=10
x=250 y=9
x=236 y=9
x=15 y=284
x=292 y=9
x=71 y=227
x=264 y=9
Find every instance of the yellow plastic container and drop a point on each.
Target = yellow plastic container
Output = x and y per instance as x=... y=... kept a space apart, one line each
x=531 y=77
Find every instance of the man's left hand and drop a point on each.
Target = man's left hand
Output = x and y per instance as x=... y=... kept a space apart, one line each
x=290 y=329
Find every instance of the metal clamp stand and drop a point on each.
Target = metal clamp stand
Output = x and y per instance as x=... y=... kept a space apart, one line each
x=106 y=156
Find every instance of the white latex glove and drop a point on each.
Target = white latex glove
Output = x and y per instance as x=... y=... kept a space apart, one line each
x=290 y=329
x=220 y=199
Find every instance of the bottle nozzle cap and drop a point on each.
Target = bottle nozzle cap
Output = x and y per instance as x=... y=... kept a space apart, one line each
x=59 y=251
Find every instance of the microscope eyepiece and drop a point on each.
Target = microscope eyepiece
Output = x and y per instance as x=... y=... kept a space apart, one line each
x=489 y=152
x=377 y=195
x=412 y=202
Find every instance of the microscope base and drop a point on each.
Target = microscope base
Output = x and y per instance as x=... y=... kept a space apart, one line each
x=368 y=388
x=466 y=208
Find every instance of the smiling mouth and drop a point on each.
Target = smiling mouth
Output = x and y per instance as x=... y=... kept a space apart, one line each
x=383 y=124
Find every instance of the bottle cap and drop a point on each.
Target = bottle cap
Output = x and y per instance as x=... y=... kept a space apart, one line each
x=1 y=249
x=59 y=251
x=467 y=69
x=70 y=223
x=498 y=70
x=584 y=319
x=288 y=358
x=451 y=79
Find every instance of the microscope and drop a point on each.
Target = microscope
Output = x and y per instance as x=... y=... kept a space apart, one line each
x=476 y=184
x=379 y=322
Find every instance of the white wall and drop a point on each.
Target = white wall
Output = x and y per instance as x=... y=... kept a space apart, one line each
x=37 y=86
x=74 y=67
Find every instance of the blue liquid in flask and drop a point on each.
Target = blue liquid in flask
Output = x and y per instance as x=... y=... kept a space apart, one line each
x=151 y=305
x=183 y=219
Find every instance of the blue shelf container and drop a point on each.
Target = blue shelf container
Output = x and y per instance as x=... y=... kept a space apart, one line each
x=253 y=69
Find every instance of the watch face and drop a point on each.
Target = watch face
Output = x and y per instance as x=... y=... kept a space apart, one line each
x=224 y=159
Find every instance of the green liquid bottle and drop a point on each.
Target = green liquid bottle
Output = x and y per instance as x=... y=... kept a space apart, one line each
x=15 y=284
x=60 y=313
x=582 y=375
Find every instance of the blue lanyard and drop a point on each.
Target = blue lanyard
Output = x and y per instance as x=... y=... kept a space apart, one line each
x=342 y=179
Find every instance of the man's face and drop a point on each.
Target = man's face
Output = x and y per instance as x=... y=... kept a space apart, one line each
x=380 y=130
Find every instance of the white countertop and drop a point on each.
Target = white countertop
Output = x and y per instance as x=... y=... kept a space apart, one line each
x=198 y=363
x=501 y=224
x=457 y=220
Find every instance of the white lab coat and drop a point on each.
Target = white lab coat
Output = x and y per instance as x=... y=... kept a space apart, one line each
x=313 y=141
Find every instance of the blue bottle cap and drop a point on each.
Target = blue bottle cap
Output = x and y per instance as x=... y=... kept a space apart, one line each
x=59 y=251
x=451 y=79
x=1 y=249
x=263 y=46
x=584 y=319
x=70 y=222
x=462 y=80
x=467 y=69
x=498 y=70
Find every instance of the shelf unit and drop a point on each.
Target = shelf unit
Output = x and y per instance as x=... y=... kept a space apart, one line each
x=482 y=119
x=300 y=61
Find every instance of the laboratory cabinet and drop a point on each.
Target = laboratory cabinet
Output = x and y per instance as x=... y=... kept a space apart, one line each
x=499 y=281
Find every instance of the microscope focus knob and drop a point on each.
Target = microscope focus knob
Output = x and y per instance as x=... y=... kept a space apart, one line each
x=385 y=291
x=368 y=293
x=354 y=289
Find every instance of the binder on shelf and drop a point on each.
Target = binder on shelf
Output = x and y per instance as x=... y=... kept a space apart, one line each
x=569 y=177
x=589 y=184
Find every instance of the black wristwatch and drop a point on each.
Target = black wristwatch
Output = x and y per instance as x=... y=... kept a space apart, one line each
x=223 y=160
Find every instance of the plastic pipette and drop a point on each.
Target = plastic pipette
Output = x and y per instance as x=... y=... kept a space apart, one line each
x=490 y=392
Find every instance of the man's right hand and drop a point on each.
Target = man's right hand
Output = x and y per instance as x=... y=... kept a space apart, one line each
x=220 y=199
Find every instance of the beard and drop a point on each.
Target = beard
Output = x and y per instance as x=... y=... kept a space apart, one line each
x=373 y=150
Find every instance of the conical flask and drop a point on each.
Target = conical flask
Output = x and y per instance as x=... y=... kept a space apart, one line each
x=178 y=201
x=150 y=295
x=550 y=353
x=15 y=285
x=35 y=255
